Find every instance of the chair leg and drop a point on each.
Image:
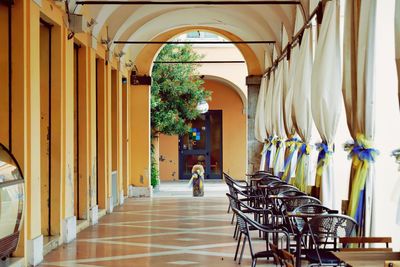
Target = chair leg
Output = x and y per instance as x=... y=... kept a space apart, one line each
x=233 y=218
x=229 y=208
x=235 y=233
x=254 y=262
x=241 y=254
x=238 y=245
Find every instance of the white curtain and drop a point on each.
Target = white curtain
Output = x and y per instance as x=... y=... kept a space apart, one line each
x=259 y=127
x=397 y=41
x=268 y=121
x=359 y=93
x=291 y=143
x=301 y=112
x=277 y=120
x=326 y=98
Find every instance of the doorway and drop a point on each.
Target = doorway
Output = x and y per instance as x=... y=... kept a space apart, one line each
x=202 y=143
x=45 y=126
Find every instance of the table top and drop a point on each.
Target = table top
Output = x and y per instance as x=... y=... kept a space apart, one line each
x=367 y=258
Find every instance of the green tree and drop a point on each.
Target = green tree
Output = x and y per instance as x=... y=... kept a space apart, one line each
x=175 y=93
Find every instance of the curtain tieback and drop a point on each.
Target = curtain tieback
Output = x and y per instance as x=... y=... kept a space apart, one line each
x=270 y=142
x=361 y=149
x=305 y=149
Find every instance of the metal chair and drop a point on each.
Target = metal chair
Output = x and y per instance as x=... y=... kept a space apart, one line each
x=244 y=224
x=325 y=230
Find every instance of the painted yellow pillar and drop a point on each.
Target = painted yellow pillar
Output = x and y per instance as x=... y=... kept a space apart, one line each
x=108 y=128
x=92 y=129
x=68 y=141
x=140 y=136
x=119 y=139
x=102 y=134
x=32 y=122
x=84 y=127
x=26 y=114
x=125 y=127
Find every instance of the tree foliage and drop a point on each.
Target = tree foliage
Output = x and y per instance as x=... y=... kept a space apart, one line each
x=176 y=90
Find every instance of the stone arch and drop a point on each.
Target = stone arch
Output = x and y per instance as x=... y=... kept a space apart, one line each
x=145 y=58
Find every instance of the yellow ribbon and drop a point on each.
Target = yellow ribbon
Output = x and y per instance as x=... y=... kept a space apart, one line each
x=300 y=179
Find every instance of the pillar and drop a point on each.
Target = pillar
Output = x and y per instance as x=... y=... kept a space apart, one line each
x=253 y=146
x=25 y=129
x=102 y=134
x=68 y=217
x=120 y=171
x=140 y=140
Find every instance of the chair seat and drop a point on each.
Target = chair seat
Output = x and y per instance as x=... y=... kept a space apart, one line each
x=327 y=257
x=263 y=254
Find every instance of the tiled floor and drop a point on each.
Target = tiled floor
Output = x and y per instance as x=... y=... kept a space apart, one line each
x=166 y=230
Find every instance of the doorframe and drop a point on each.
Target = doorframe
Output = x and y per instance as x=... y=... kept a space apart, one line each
x=205 y=151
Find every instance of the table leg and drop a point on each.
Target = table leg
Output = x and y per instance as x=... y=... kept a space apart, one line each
x=298 y=250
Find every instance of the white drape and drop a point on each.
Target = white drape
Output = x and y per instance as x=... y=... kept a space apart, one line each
x=288 y=102
x=301 y=113
x=259 y=128
x=397 y=41
x=359 y=93
x=326 y=96
x=277 y=119
x=268 y=116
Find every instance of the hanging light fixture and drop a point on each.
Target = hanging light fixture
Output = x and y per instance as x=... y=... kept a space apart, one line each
x=202 y=106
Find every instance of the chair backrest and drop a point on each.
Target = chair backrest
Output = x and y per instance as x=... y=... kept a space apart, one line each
x=362 y=241
x=312 y=209
x=276 y=189
x=291 y=193
x=242 y=223
x=308 y=209
x=325 y=229
x=233 y=201
x=291 y=203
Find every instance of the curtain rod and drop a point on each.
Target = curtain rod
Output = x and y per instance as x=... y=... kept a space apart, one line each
x=188 y=2
x=318 y=11
x=194 y=42
x=200 y=62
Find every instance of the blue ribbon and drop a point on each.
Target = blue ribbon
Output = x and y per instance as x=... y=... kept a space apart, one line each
x=289 y=158
x=268 y=159
x=302 y=149
x=323 y=150
x=368 y=154
x=360 y=209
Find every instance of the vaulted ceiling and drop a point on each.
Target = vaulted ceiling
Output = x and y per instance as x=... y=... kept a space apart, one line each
x=247 y=22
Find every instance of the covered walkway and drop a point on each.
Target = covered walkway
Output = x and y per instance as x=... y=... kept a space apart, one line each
x=171 y=229
x=322 y=113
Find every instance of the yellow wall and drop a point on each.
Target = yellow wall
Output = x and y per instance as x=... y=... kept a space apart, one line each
x=29 y=76
x=233 y=135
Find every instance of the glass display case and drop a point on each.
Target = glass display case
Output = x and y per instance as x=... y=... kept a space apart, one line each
x=11 y=202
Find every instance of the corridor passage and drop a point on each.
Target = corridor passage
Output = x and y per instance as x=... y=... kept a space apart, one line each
x=163 y=231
